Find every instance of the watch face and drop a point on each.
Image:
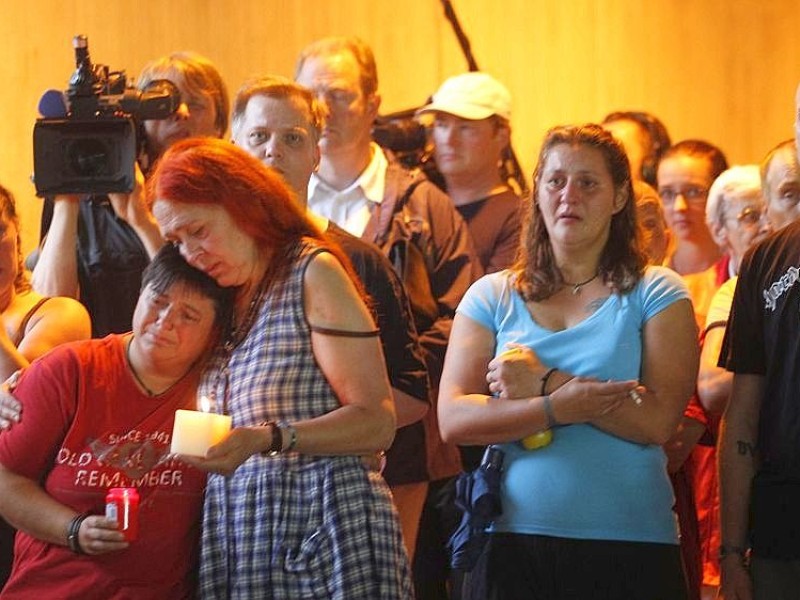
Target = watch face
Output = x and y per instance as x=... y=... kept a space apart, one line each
x=288 y=436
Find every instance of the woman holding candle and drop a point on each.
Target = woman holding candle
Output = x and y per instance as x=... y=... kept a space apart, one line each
x=98 y=414
x=588 y=515
x=290 y=507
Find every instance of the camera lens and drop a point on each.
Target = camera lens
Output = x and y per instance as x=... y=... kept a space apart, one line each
x=88 y=157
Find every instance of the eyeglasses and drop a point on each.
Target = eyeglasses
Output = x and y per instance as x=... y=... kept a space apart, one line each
x=693 y=195
x=750 y=216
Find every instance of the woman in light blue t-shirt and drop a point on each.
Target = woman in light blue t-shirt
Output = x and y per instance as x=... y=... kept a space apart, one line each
x=580 y=340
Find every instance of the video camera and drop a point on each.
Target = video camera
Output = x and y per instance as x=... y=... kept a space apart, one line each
x=88 y=139
x=405 y=137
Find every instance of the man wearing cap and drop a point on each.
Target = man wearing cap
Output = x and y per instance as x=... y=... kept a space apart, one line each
x=469 y=119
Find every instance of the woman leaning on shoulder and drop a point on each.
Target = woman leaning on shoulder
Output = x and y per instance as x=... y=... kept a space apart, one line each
x=290 y=507
x=579 y=338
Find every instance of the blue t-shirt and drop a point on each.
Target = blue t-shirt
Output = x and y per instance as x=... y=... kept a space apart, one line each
x=586 y=484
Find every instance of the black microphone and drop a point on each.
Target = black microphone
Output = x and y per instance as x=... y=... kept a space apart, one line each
x=52 y=105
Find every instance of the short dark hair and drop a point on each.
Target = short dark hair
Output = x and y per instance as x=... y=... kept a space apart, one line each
x=622 y=261
x=168 y=268
x=703 y=149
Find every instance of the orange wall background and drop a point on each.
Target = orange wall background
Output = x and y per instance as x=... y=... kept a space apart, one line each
x=721 y=70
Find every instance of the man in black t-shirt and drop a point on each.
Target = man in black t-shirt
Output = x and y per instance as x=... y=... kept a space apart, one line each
x=759 y=452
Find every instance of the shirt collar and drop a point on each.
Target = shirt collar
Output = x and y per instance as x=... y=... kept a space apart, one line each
x=372 y=180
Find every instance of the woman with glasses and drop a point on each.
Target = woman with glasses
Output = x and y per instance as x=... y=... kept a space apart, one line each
x=685 y=174
x=573 y=339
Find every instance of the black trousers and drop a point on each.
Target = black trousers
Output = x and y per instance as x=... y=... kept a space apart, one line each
x=535 y=567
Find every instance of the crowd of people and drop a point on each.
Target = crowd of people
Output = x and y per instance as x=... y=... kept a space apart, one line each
x=621 y=341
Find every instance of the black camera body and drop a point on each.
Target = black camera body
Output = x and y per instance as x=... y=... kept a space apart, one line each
x=90 y=145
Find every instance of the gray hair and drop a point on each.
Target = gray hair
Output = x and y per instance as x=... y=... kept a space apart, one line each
x=737 y=180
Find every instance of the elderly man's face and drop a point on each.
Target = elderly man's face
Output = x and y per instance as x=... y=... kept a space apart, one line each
x=782 y=188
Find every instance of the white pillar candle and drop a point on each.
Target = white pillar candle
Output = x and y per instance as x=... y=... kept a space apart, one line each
x=195 y=432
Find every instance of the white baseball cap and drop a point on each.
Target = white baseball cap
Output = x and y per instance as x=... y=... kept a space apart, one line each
x=471 y=96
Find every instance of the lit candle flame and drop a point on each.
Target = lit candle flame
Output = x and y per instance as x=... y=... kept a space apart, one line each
x=205 y=404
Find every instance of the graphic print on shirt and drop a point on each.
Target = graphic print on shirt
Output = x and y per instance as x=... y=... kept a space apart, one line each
x=779 y=287
x=136 y=458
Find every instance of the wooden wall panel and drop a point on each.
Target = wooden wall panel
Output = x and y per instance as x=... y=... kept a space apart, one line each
x=721 y=70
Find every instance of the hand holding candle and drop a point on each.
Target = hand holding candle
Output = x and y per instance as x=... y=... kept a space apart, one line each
x=195 y=432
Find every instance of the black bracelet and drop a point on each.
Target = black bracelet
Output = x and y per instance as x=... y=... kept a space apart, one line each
x=545 y=379
x=276 y=443
x=73 y=531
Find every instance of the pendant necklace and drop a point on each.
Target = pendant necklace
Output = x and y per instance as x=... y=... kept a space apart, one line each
x=138 y=379
x=576 y=287
x=150 y=392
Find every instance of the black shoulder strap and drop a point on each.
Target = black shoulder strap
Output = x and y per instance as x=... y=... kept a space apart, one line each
x=389 y=208
x=20 y=333
x=709 y=327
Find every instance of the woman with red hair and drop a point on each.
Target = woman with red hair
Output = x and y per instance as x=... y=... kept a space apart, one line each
x=291 y=509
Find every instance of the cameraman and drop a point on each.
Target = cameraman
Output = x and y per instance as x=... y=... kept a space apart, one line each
x=115 y=236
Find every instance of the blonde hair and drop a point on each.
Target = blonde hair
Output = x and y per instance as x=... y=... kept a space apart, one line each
x=195 y=72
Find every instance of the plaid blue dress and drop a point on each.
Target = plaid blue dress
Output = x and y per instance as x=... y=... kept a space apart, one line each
x=293 y=526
